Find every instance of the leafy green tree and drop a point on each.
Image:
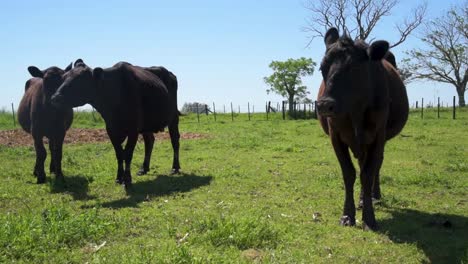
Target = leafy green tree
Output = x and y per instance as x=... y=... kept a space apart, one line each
x=286 y=78
x=445 y=55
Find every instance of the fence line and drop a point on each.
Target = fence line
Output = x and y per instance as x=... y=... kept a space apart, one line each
x=294 y=111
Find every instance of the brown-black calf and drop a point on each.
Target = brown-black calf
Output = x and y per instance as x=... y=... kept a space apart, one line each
x=40 y=118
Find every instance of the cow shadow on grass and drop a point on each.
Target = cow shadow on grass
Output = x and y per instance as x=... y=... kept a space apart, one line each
x=163 y=185
x=76 y=186
x=442 y=237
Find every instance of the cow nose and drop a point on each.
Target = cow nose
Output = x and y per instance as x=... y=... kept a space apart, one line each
x=326 y=106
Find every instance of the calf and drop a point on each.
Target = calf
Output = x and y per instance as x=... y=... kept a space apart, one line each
x=40 y=118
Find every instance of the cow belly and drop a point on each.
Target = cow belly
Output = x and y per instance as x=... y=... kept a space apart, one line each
x=398 y=111
x=155 y=118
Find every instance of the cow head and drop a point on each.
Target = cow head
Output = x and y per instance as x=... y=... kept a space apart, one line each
x=346 y=70
x=78 y=87
x=51 y=77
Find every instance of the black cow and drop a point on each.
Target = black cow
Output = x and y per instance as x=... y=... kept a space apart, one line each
x=40 y=118
x=131 y=100
x=362 y=103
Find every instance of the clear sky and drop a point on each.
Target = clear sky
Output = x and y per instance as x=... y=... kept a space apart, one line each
x=219 y=49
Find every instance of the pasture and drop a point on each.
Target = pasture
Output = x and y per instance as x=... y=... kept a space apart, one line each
x=258 y=191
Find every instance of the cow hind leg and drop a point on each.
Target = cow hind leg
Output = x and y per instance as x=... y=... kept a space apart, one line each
x=52 y=156
x=376 y=194
x=369 y=172
x=149 y=143
x=175 y=137
x=41 y=155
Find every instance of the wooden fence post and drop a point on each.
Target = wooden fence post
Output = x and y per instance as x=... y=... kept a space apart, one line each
x=268 y=108
x=315 y=109
x=232 y=113
x=13 y=111
x=438 y=107
x=422 y=108
x=284 y=113
x=416 y=104
x=214 y=111
x=453 y=108
x=198 y=113
x=248 y=110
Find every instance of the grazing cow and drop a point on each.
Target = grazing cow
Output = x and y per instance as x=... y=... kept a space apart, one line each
x=362 y=103
x=40 y=118
x=131 y=100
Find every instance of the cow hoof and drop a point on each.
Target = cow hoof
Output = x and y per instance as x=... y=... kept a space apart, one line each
x=175 y=171
x=128 y=186
x=347 y=220
x=142 y=172
x=119 y=181
x=41 y=180
x=370 y=226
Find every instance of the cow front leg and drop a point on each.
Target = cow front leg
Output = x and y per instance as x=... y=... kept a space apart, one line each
x=148 y=138
x=349 y=177
x=56 y=152
x=117 y=140
x=129 y=148
x=41 y=155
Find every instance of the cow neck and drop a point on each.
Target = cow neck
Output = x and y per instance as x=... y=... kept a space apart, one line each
x=98 y=98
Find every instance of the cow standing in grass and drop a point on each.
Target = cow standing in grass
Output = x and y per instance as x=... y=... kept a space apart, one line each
x=40 y=118
x=170 y=81
x=131 y=100
x=362 y=103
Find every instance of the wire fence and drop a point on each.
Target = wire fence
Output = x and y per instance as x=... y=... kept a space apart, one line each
x=270 y=111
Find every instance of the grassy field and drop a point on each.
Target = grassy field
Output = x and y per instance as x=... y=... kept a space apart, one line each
x=258 y=191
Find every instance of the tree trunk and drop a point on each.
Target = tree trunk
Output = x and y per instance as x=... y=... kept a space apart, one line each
x=291 y=104
x=461 y=97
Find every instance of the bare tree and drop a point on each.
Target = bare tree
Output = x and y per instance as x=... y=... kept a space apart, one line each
x=358 y=18
x=445 y=58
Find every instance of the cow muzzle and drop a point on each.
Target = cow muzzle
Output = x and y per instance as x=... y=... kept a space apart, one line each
x=57 y=100
x=326 y=107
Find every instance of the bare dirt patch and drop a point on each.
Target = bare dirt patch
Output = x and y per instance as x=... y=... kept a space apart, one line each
x=17 y=137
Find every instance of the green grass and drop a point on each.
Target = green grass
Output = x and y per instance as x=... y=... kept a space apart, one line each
x=248 y=187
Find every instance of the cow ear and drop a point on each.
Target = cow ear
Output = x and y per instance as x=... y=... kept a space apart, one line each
x=378 y=49
x=69 y=67
x=331 y=36
x=78 y=62
x=35 y=72
x=97 y=73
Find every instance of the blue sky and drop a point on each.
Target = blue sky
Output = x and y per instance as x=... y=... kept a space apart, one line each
x=219 y=50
